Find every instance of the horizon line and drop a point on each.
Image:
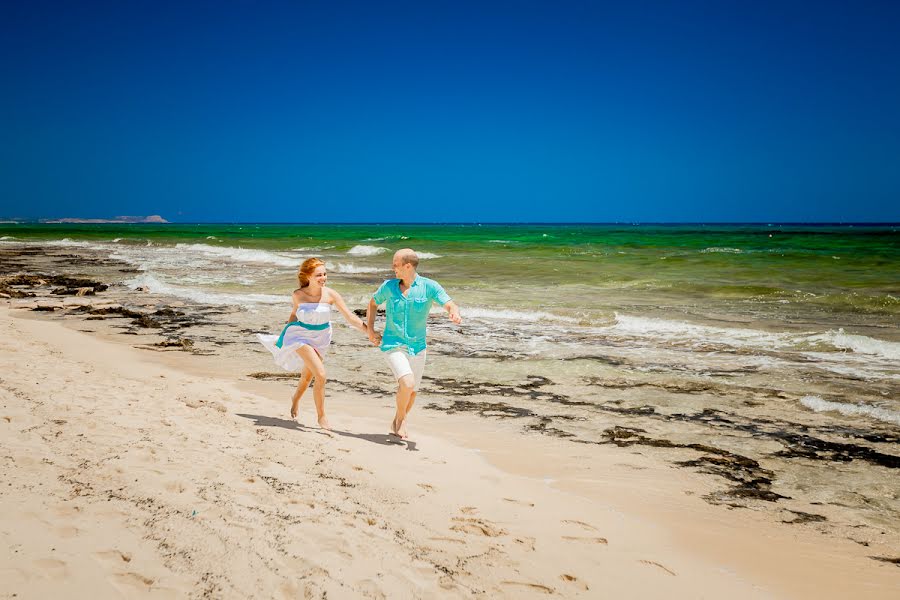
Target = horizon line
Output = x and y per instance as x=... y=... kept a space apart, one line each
x=470 y=223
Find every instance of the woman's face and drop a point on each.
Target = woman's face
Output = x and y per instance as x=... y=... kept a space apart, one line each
x=319 y=275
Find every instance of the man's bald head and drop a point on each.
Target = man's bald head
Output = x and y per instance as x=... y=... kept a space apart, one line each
x=407 y=256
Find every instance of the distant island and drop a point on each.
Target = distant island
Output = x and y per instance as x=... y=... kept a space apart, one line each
x=148 y=219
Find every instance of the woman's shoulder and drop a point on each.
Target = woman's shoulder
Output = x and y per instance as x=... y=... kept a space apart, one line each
x=329 y=295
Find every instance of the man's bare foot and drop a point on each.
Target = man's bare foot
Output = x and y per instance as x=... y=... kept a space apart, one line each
x=401 y=431
x=295 y=406
x=394 y=427
x=323 y=423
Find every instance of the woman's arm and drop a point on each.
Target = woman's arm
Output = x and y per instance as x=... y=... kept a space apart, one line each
x=351 y=318
x=371 y=312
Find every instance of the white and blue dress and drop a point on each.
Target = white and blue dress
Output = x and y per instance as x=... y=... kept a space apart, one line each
x=312 y=328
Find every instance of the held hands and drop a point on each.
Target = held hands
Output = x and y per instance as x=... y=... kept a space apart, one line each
x=455 y=317
x=374 y=337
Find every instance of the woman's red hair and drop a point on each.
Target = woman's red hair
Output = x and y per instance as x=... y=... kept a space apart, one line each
x=307 y=269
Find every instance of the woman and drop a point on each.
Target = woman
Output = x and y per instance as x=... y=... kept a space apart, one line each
x=304 y=341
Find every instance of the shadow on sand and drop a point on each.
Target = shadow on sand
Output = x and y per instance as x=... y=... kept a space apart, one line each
x=264 y=421
x=379 y=438
x=383 y=439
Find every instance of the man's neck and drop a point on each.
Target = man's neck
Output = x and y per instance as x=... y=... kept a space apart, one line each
x=407 y=282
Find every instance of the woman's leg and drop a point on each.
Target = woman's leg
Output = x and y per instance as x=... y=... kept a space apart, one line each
x=305 y=378
x=313 y=362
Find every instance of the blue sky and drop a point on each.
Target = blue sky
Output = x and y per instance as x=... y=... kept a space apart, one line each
x=451 y=111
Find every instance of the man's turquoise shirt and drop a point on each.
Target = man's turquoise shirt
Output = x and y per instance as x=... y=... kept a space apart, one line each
x=407 y=315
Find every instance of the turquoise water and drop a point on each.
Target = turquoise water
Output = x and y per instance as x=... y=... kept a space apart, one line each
x=848 y=275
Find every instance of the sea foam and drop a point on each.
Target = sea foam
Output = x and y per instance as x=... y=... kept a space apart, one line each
x=689 y=333
x=66 y=242
x=857 y=410
x=351 y=268
x=363 y=250
x=717 y=249
x=863 y=344
x=488 y=314
x=204 y=297
x=242 y=255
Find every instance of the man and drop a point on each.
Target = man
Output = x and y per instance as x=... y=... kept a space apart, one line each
x=408 y=299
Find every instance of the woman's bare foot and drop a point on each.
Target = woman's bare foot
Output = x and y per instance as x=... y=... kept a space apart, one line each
x=401 y=431
x=295 y=406
x=324 y=424
x=394 y=427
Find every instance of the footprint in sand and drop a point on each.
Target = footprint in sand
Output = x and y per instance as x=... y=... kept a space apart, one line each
x=446 y=539
x=468 y=510
x=370 y=589
x=522 y=502
x=52 y=568
x=175 y=486
x=574 y=581
x=527 y=542
x=476 y=527
x=66 y=531
x=581 y=524
x=426 y=487
x=585 y=539
x=113 y=557
x=132 y=581
x=536 y=587
x=653 y=563
x=66 y=510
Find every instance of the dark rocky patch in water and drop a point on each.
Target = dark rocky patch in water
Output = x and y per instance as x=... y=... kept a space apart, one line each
x=179 y=343
x=265 y=376
x=12 y=285
x=887 y=559
x=531 y=389
x=805 y=446
x=502 y=410
x=796 y=438
x=606 y=360
x=804 y=517
x=753 y=481
x=543 y=426
x=167 y=319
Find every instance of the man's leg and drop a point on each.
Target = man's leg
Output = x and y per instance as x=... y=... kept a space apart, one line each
x=401 y=429
x=405 y=397
x=417 y=364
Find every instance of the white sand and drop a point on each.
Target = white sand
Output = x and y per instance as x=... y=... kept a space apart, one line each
x=128 y=473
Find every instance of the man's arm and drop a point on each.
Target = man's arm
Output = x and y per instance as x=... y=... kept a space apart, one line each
x=453 y=311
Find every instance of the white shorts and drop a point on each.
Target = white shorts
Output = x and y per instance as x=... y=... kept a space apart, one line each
x=402 y=364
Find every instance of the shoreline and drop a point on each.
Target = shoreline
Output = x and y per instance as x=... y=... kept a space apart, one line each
x=532 y=508
x=505 y=466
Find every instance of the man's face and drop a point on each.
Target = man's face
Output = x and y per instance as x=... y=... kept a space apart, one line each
x=400 y=268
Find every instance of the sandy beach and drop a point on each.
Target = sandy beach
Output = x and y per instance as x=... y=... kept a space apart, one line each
x=131 y=473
